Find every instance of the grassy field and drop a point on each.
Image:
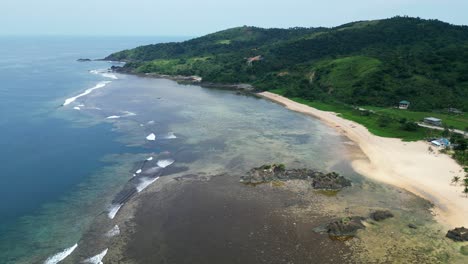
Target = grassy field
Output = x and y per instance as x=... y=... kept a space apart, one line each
x=386 y=122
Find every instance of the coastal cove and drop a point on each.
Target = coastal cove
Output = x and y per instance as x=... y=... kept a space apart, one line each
x=147 y=170
x=214 y=137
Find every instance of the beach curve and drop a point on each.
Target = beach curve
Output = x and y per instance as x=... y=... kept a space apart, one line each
x=407 y=165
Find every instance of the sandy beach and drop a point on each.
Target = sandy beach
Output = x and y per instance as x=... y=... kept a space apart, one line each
x=407 y=165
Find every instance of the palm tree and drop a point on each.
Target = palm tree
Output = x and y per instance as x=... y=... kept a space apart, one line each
x=465 y=182
x=455 y=180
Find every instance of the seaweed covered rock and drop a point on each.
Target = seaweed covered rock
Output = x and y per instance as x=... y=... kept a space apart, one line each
x=329 y=181
x=459 y=234
x=381 y=215
x=345 y=227
x=278 y=172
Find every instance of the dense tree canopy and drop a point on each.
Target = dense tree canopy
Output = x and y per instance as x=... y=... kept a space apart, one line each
x=363 y=63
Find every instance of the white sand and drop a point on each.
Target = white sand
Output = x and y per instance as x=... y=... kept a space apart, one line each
x=408 y=165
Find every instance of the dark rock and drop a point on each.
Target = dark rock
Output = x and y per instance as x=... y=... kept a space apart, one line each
x=381 y=215
x=329 y=181
x=412 y=226
x=278 y=172
x=459 y=234
x=345 y=227
x=83 y=60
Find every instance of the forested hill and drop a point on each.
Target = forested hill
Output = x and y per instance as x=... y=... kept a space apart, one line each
x=361 y=63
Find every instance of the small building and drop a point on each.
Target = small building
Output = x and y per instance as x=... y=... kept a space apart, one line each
x=403 y=104
x=441 y=142
x=433 y=121
x=454 y=111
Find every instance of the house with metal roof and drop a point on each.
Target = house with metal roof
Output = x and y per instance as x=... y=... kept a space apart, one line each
x=403 y=104
x=433 y=121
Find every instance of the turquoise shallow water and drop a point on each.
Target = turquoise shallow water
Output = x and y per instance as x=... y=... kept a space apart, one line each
x=49 y=163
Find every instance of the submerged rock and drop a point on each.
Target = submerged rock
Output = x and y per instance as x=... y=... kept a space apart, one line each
x=381 y=215
x=278 y=172
x=83 y=60
x=345 y=227
x=459 y=234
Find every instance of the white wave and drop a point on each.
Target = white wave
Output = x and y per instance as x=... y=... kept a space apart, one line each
x=113 y=210
x=145 y=182
x=138 y=171
x=150 y=122
x=76 y=108
x=134 y=174
x=88 y=91
x=149 y=159
x=80 y=105
x=165 y=163
x=61 y=255
x=151 y=137
x=97 y=259
x=110 y=75
x=128 y=113
x=113 y=117
x=104 y=73
x=115 y=231
x=170 y=135
x=153 y=170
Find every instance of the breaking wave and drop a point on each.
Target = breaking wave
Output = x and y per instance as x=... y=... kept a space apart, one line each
x=170 y=135
x=114 y=208
x=145 y=182
x=88 y=91
x=165 y=163
x=97 y=259
x=151 y=137
x=115 y=231
x=61 y=255
x=152 y=170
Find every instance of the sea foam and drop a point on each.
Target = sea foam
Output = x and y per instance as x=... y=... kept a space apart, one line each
x=151 y=137
x=97 y=259
x=113 y=209
x=115 y=231
x=145 y=182
x=149 y=159
x=170 y=135
x=165 y=163
x=61 y=255
x=113 y=117
x=88 y=91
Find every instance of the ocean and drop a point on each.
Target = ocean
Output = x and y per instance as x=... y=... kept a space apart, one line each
x=47 y=157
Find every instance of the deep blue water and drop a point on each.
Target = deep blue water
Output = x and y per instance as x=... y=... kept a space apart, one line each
x=44 y=156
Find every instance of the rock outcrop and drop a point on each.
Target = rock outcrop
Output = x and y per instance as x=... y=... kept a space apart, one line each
x=459 y=234
x=345 y=227
x=278 y=172
x=381 y=215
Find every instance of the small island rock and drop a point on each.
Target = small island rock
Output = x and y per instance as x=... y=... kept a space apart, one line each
x=459 y=234
x=345 y=227
x=381 y=215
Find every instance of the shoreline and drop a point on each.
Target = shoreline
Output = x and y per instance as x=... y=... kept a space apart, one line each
x=407 y=165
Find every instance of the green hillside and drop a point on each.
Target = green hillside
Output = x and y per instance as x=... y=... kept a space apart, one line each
x=375 y=63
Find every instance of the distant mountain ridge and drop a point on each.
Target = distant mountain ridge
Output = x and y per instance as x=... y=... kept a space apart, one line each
x=362 y=63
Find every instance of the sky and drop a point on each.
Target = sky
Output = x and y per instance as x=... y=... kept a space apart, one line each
x=199 y=17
